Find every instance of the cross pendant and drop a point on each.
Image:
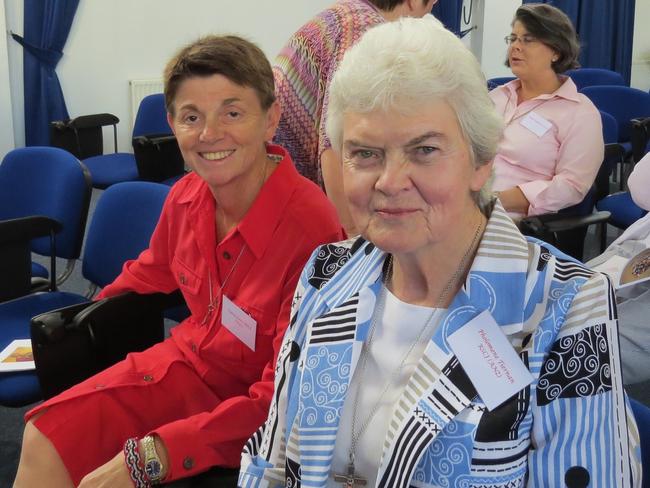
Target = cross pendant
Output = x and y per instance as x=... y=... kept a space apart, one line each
x=349 y=479
x=212 y=306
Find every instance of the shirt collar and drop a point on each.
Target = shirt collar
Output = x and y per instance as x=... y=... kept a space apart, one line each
x=262 y=218
x=567 y=90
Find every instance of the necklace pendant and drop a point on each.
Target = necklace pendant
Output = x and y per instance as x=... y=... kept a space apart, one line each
x=349 y=479
x=211 y=308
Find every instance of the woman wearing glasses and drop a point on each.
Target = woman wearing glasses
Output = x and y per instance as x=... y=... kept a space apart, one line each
x=552 y=145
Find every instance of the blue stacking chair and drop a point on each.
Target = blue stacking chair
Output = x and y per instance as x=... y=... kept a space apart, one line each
x=120 y=229
x=38 y=183
x=583 y=77
x=108 y=169
x=623 y=211
x=492 y=83
x=610 y=128
x=642 y=416
x=624 y=104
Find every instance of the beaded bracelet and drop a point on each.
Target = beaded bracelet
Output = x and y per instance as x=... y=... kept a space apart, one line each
x=133 y=463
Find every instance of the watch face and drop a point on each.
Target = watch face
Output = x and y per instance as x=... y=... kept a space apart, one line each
x=152 y=468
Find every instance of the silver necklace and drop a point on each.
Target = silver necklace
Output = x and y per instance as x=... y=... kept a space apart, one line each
x=214 y=302
x=350 y=479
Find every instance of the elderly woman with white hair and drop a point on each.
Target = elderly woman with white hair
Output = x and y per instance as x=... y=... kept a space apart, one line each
x=440 y=348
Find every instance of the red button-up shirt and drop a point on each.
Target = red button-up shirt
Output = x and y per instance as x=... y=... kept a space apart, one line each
x=289 y=218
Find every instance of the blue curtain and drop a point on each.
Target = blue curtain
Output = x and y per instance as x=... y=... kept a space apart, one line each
x=606 y=31
x=46 y=27
x=448 y=12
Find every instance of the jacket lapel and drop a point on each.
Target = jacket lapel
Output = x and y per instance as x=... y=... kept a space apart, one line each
x=332 y=352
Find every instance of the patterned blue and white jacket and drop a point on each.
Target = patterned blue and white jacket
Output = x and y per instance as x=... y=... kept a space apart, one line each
x=572 y=424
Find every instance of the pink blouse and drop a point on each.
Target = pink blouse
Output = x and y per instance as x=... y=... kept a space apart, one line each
x=552 y=146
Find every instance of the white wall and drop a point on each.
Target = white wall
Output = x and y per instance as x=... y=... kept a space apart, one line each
x=641 y=48
x=6 y=121
x=487 y=41
x=112 y=42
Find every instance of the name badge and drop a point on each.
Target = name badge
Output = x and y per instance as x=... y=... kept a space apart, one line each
x=238 y=322
x=490 y=361
x=535 y=123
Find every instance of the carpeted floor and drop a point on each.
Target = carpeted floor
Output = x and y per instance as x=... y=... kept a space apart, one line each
x=11 y=431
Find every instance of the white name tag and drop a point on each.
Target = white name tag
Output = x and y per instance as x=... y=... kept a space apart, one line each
x=492 y=364
x=535 y=123
x=242 y=325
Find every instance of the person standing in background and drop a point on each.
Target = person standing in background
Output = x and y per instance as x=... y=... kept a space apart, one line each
x=302 y=73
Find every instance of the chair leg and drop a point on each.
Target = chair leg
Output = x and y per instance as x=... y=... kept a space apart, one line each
x=603 y=236
x=620 y=176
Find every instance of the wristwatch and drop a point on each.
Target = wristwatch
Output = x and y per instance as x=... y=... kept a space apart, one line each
x=152 y=464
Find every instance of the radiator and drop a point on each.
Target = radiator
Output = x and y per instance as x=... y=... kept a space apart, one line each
x=140 y=89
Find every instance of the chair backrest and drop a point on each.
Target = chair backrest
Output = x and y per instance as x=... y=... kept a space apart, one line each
x=642 y=416
x=622 y=102
x=51 y=182
x=124 y=219
x=501 y=80
x=83 y=135
x=614 y=154
x=151 y=117
x=610 y=128
x=583 y=77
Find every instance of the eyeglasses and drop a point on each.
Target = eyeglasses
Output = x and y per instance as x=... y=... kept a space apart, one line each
x=525 y=39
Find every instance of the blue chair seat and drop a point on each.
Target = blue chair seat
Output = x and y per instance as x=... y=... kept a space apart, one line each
x=22 y=387
x=108 y=169
x=39 y=271
x=623 y=209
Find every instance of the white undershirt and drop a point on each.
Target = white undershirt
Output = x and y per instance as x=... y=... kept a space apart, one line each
x=395 y=332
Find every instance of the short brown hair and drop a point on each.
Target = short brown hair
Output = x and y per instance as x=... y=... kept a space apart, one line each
x=552 y=27
x=239 y=60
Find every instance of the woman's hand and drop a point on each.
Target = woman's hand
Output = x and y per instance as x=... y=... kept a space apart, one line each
x=113 y=474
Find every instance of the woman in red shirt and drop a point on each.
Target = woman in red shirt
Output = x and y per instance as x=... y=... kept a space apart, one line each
x=233 y=236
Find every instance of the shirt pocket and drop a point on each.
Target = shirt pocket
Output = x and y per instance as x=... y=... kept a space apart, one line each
x=189 y=282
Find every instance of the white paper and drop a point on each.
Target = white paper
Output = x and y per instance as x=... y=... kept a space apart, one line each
x=613 y=267
x=490 y=361
x=238 y=322
x=14 y=357
x=535 y=123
